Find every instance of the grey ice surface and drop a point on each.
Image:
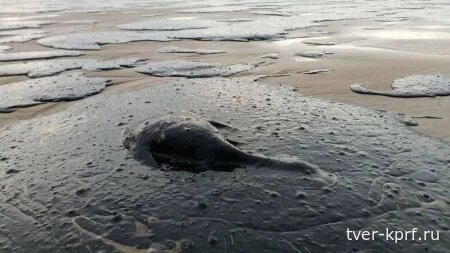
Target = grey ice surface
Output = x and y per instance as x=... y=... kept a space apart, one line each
x=271 y=56
x=168 y=24
x=317 y=43
x=231 y=20
x=80 y=21
x=269 y=13
x=176 y=49
x=20 y=35
x=14 y=25
x=215 y=9
x=32 y=55
x=92 y=40
x=50 y=67
x=411 y=86
x=65 y=87
x=266 y=28
x=191 y=69
x=4 y=48
x=68 y=178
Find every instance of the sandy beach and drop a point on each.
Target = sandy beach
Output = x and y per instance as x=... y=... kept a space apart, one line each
x=223 y=127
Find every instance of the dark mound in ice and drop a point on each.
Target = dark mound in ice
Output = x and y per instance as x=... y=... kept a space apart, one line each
x=193 y=144
x=412 y=86
x=191 y=69
x=67 y=87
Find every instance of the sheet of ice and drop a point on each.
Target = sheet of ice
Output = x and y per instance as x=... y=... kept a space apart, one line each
x=271 y=56
x=80 y=21
x=191 y=69
x=316 y=71
x=176 y=49
x=168 y=24
x=411 y=86
x=238 y=20
x=92 y=40
x=215 y=9
x=269 y=13
x=13 y=25
x=65 y=87
x=32 y=55
x=4 y=48
x=51 y=67
x=20 y=35
x=320 y=43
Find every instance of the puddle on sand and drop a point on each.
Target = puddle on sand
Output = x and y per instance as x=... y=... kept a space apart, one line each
x=378 y=159
x=411 y=86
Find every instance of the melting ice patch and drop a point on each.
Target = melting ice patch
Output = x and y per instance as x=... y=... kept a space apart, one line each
x=4 y=48
x=65 y=87
x=20 y=35
x=19 y=56
x=168 y=24
x=191 y=69
x=51 y=67
x=12 y=25
x=92 y=40
x=412 y=86
x=176 y=49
